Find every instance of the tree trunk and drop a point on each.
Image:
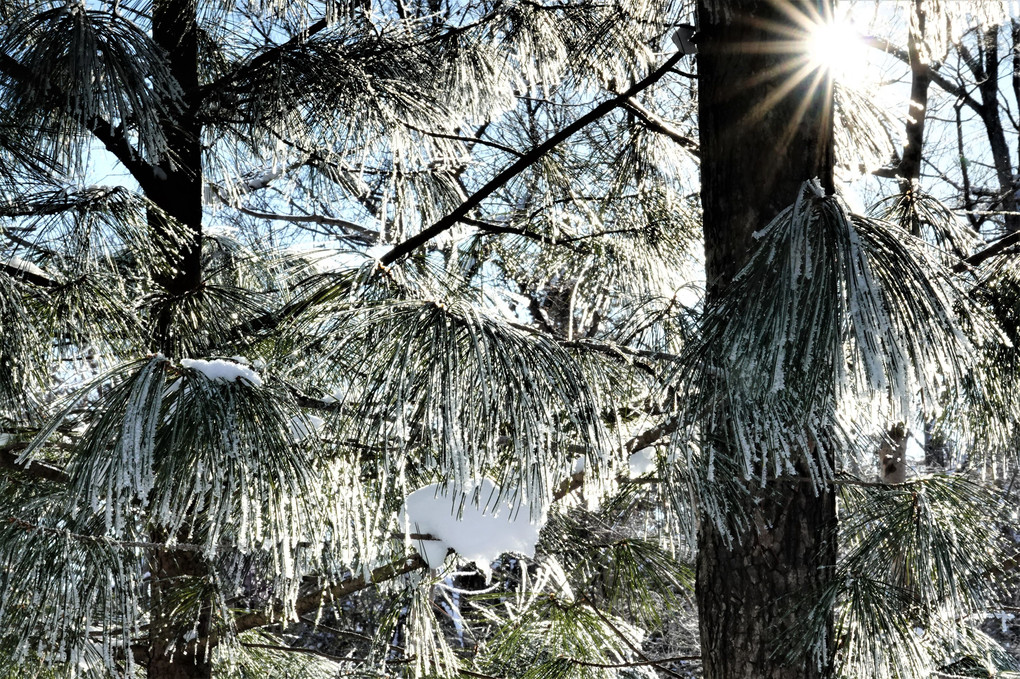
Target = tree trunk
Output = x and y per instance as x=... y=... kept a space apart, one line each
x=172 y=655
x=892 y=454
x=177 y=190
x=920 y=79
x=987 y=72
x=178 y=576
x=762 y=134
x=754 y=595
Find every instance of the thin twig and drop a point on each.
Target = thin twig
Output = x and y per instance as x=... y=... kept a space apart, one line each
x=636 y=663
x=311 y=602
x=9 y=456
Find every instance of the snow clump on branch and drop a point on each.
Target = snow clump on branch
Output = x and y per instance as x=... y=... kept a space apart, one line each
x=219 y=369
x=479 y=524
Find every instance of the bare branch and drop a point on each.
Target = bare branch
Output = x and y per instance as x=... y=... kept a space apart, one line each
x=656 y=123
x=405 y=248
x=469 y=140
x=358 y=232
x=996 y=248
x=949 y=87
x=312 y=602
x=9 y=455
x=637 y=663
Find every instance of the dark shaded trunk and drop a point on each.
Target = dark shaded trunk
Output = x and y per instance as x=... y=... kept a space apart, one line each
x=757 y=147
x=179 y=598
x=177 y=189
x=178 y=631
x=761 y=137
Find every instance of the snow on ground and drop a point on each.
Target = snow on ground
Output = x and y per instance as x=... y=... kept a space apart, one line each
x=487 y=525
x=219 y=369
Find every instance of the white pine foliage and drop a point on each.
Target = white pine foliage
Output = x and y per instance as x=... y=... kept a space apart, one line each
x=539 y=332
x=823 y=318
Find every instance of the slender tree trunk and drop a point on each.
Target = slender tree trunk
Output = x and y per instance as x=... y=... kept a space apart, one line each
x=760 y=139
x=985 y=67
x=1001 y=157
x=178 y=576
x=177 y=191
x=909 y=170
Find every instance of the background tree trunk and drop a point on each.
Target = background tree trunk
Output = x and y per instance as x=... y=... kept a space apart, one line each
x=762 y=135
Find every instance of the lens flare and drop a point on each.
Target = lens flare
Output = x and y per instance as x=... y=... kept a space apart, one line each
x=837 y=47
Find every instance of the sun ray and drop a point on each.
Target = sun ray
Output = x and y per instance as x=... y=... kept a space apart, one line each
x=805 y=50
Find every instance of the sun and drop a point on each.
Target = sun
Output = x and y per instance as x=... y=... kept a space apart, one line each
x=837 y=47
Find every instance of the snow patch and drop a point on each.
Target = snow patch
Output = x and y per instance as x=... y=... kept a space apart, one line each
x=302 y=426
x=915 y=448
x=487 y=525
x=337 y=396
x=219 y=369
x=19 y=264
x=641 y=462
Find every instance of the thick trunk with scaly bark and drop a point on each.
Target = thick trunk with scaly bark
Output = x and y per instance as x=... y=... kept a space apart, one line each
x=754 y=595
x=763 y=133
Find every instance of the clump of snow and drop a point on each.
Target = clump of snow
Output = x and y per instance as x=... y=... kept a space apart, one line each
x=219 y=369
x=19 y=264
x=302 y=426
x=641 y=462
x=337 y=396
x=476 y=523
x=915 y=448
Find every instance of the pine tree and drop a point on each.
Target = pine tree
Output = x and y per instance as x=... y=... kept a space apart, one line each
x=212 y=433
x=372 y=272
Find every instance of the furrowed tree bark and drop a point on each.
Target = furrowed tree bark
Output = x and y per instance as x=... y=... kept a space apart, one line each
x=176 y=575
x=762 y=134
